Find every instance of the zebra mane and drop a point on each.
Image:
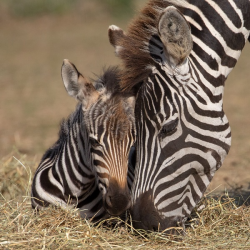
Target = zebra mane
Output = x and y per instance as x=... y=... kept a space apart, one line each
x=134 y=52
x=109 y=80
x=66 y=124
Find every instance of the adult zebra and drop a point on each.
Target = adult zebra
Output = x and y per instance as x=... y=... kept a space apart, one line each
x=87 y=167
x=180 y=54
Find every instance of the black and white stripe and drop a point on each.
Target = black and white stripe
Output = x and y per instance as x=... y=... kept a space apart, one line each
x=183 y=134
x=65 y=175
x=87 y=167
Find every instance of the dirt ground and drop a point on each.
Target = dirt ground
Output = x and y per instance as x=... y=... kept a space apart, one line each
x=33 y=99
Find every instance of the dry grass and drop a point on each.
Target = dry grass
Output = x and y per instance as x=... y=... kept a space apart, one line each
x=33 y=101
x=220 y=225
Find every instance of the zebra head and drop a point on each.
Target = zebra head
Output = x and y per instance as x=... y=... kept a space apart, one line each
x=109 y=119
x=183 y=134
x=158 y=120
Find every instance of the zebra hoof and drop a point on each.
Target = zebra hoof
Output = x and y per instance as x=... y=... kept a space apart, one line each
x=175 y=34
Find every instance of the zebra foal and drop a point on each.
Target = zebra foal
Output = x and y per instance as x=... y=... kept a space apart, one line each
x=87 y=167
x=178 y=55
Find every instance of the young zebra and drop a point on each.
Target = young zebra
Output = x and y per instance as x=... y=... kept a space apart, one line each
x=180 y=54
x=87 y=167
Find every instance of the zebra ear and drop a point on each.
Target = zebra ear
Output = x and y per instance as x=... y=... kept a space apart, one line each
x=77 y=85
x=115 y=36
x=175 y=34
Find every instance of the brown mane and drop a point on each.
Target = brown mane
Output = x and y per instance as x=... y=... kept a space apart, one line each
x=134 y=50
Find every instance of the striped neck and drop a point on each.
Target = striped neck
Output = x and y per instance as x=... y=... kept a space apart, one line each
x=74 y=150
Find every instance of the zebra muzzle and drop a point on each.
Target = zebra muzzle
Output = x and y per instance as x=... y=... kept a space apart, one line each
x=117 y=200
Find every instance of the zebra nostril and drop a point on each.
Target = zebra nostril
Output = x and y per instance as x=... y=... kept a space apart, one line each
x=108 y=201
x=115 y=205
x=102 y=188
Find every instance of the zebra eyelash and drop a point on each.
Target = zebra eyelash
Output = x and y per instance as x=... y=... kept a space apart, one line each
x=94 y=142
x=169 y=128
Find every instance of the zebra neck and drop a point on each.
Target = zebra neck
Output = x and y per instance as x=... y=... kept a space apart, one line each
x=74 y=160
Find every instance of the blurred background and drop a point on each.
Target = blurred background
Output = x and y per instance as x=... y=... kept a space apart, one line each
x=35 y=37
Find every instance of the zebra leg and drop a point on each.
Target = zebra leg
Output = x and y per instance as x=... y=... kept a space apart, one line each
x=175 y=34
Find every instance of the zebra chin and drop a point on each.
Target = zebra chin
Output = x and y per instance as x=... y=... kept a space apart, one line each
x=145 y=216
x=117 y=198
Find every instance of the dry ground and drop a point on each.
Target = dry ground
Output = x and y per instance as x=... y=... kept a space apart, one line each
x=220 y=225
x=33 y=102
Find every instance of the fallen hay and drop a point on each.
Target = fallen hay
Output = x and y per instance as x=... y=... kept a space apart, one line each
x=220 y=224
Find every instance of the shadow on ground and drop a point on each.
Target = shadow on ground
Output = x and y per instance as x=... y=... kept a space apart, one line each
x=240 y=195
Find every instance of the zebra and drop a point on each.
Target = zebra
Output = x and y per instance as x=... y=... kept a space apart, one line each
x=88 y=165
x=178 y=55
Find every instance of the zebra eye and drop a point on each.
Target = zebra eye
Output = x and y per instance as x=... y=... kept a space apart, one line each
x=169 y=128
x=94 y=142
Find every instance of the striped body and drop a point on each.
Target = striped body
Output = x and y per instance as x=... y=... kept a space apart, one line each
x=57 y=183
x=183 y=134
x=87 y=167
